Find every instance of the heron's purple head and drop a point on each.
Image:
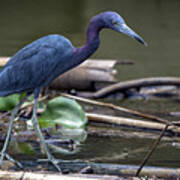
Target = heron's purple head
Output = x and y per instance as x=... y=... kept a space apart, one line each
x=114 y=21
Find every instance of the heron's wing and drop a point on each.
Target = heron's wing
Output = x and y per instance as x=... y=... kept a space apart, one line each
x=29 y=74
x=35 y=67
x=51 y=41
x=23 y=54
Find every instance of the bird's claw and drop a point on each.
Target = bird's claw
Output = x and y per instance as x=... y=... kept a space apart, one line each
x=56 y=166
x=53 y=161
x=9 y=158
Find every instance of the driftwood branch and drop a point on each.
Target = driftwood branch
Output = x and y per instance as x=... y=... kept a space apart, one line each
x=119 y=108
x=123 y=86
x=130 y=122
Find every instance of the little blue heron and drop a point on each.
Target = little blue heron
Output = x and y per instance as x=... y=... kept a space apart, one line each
x=37 y=64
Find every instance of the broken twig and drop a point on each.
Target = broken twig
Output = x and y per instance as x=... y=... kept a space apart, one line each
x=151 y=151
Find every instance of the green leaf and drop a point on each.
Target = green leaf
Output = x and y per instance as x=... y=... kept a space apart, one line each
x=65 y=112
x=17 y=147
x=26 y=148
x=9 y=102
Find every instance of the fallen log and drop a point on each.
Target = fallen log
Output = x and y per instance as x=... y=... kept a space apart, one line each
x=108 y=63
x=159 y=90
x=84 y=76
x=114 y=169
x=6 y=175
x=3 y=61
x=120 y=170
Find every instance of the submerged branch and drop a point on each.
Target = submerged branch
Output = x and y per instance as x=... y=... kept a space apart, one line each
x=138 y=83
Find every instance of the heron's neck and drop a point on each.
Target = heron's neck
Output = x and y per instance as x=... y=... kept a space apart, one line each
x=92 y=42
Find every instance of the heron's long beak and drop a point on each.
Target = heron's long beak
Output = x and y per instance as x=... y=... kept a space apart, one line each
x=128 y=31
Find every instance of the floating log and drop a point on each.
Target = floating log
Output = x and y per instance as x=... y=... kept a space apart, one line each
x=84 y=76
x=81 y=79
x=6 y=175
x=112 y=169
x=3 y=61
x=159 y=90
x=108 y=63
x=123 y=170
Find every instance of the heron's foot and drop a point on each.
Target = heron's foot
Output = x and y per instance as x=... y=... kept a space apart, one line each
x=11 y=159
x=54 y=163
x=2 y=157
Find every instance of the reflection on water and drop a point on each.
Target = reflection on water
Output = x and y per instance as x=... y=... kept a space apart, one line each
x=157 y=21
x=105 y=150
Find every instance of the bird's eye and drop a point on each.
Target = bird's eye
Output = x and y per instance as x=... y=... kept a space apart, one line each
x=114 y=22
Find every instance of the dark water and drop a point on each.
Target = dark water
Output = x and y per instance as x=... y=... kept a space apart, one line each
x=157 y=21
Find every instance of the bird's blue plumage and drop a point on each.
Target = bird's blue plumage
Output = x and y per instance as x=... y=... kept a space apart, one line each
x=36 y=64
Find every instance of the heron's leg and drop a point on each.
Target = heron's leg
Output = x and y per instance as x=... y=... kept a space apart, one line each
x=9 y=158
x=13 y=114
x=38 y=130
